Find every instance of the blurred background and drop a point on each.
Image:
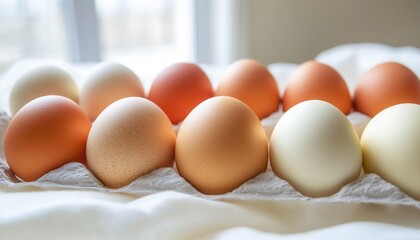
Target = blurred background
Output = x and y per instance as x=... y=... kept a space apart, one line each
x=216 y=32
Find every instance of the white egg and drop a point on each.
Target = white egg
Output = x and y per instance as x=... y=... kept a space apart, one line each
x=41 y=81
x=391 y=147
x=315 y=148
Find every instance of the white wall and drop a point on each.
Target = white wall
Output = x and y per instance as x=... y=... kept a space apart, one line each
x=297 y=30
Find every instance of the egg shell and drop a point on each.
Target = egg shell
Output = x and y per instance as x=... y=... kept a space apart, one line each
x=179 y=88
x=129 y=139
x=385 y=85
x=45 y=134
x=252 y=83
x=315 y=148
x=221 y=145
x=41 y=81
x=391 y=147
x=313 y=80
x=108 y=83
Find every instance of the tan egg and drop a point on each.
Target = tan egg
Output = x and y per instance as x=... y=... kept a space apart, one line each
x=385 y=85
x=252 y=83
x=315 y=148
x=42 y=81
x=129 y=139
x=45 y=134
x=108 y=83
x=220 y=145
x=313 y=80
x=391 y=147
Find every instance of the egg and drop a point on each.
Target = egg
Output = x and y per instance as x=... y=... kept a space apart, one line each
x=180 y=88
x=252 y=83
x=45 y=134
x=315 y=148
x=130 y=138
x=220 y=145
x=313 y=80
x=41 y=81
x=385 y=85
x=108 y=83
x=391 y=147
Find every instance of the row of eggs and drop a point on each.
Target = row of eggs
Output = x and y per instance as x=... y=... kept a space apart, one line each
x=219 y=146
x=181 y=87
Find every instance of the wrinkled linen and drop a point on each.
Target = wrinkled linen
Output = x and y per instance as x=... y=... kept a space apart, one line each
x=171 y=215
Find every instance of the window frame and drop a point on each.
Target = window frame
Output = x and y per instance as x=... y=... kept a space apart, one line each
x=219 y=31
x=84 y=38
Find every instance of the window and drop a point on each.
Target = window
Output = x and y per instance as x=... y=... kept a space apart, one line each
x=146 y=31
x=158 y=31
x=135 y=28
x=32 y=29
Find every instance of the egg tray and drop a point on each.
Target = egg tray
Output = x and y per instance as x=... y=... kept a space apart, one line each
x=368 y=188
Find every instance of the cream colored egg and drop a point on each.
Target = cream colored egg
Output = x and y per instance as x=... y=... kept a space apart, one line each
x=129 y=139
x=42 y=81
x=108 y=83
x=220 y=145
x=315 y=148
x=391 y=147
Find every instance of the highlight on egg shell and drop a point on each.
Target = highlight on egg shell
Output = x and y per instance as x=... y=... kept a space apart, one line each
x=391 y=147
x=315 y=148
x=252 y=83
x=221 y=145
x=41 y=81
x=130 y=138
x=313 y=80
x=108 y=82
x=179 y=88
x=45 y=134
x=385 y=85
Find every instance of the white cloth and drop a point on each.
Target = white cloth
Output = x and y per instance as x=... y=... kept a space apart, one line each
x=170 y=215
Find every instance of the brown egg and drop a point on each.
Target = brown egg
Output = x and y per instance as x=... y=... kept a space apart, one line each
x=129 y=139
x=108 y=83
x=317 y=81
x=179 y=88
x=221 y=145
x=45 y=134
x=252 y=83
x=385 y=85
